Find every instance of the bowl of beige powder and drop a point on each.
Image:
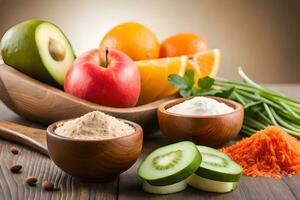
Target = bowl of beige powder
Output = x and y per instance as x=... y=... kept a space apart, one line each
x=95 y=146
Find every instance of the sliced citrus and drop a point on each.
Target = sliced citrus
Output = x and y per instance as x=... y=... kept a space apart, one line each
x=205 y=63
x=176 y=66
x=154 y=77
x=155 y=72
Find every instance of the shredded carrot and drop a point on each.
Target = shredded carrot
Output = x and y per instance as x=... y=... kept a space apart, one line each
x=270 y=152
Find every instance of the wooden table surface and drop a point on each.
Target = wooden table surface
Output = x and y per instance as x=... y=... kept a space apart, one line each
x=128 y=185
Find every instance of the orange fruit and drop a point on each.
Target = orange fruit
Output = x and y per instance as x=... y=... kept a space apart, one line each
x=154 y=72
x=154 y=77
x=205 y=63
x=182 y=44
x=134 y=39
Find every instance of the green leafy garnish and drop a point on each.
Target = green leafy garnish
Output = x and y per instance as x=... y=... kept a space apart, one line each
x=263 y=107
x=189 y=78
x=177 y=81
x=206 y=82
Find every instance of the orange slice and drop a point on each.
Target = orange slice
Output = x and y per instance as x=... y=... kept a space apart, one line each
x=154 y=77
x=205 y=63
x=155 y=72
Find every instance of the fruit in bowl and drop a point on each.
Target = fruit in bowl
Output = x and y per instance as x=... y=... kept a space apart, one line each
x=134 y=39
x=154 y=77
x=39 y=49
x=105 y=76
x=143 y=81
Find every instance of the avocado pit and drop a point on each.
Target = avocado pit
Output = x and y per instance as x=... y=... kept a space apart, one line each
x=56 y=50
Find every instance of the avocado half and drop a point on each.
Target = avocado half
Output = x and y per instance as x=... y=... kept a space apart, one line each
x=39 y=49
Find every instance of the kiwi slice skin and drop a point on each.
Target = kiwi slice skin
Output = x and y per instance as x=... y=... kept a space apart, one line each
x=208 y=185
x=206 y=173
x=167 y=189
x=180 y=175
x=212 y=174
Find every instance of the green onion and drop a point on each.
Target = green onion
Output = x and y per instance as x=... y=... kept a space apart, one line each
x=263 y=107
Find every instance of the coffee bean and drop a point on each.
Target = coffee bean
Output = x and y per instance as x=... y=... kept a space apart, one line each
x=31 y=180
x=48 y=185
x=16 y=168
x=14 y=150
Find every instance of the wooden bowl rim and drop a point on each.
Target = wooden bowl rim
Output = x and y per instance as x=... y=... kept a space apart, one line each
x=237 y=107
x=51 y=132
x=58 y=92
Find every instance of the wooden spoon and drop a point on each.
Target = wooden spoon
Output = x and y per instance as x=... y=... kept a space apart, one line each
x=90 y=160
x=31 y=137
x=42 y=103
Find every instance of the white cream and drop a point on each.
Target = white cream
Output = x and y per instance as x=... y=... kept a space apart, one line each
x=200 y=106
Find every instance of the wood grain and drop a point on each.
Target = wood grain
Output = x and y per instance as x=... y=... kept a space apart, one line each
x=42 y=103
x=13 y=186
x=32 y=137
x=93 y=160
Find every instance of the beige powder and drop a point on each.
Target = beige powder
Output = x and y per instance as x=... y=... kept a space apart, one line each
x=94 y=126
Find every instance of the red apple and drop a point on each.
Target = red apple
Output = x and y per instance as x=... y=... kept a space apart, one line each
x=104 y=76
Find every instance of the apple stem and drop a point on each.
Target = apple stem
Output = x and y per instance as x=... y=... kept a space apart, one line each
x=106 y=57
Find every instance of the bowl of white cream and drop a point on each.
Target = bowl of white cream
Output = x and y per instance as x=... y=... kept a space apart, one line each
x=210 y=121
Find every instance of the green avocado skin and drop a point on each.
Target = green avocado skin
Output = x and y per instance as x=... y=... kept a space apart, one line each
x=19 y=50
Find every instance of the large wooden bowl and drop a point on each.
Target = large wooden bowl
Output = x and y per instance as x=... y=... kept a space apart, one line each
x=42 y=103
x=213 y=130
x=95 y=160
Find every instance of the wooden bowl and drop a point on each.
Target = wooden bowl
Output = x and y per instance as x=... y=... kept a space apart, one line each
x=42 y=103
x=95 y=160
x=213 y=130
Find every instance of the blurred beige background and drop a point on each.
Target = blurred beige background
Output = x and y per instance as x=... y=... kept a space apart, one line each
x=263 y=36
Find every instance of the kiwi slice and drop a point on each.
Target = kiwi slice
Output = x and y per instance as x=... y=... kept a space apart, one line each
x=170 y=164
x=208 y=185
x=167 y=189
x=218 y=166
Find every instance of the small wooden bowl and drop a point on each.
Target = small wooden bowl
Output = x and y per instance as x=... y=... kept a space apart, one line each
x=212 y=130
x=95 y=160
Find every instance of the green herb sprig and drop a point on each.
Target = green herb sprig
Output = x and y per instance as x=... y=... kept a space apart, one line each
x=263 y=107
